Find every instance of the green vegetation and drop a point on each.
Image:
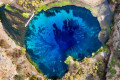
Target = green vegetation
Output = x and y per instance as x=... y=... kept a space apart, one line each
x=2 y=43
x=34 y=64
x=85 y=61
x=45 y=7
x=112 y=1
x=113 y=71
x=118 y=64
x=109 y=29
x=111 y=65
x=99 y=62
x=76 y=64
x=23 y=51
x=61 y=3
x=26 y=15
x=113 y=62
x=100 y=72
x=29 y=4
x=8 y=7
x=110 y=77
x=20 y=77
x=100 y=50
x=67 y=61
x=89 y=7
x=17 y=43
x=36 y=5
x=34 y=77
x=82 y=68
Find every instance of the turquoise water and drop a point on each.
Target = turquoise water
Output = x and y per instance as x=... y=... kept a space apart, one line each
x=60 y=32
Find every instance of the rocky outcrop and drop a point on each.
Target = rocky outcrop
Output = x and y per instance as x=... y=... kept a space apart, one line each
x=113 y=71
x=103 y=36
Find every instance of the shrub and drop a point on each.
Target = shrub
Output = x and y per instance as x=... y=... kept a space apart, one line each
x=67 y=75
x=113 y=62
x=100 y=62
x=76 y=64
x=2 y=43
x=85 y=61
x=110 y=77
x=8 y=7
x=23 y=51
x=33 y=77
x=118 y=64
x=19 y=77
x=113 y=71
x=101 y=49
x=20 y=2
x=26 y=15
x=100 y=72
x=67 y=61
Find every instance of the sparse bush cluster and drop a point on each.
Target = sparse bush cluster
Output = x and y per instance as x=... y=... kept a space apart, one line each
x=22 y=51
x=20 y=77
x=101 y=49
x=86 y=66
x=114 y=62
x=3 y=44
x=35 y=5
x=34 y=77
x=67 y=61
x=29 y=4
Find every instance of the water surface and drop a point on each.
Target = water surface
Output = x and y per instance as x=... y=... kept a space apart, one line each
x=60 y=32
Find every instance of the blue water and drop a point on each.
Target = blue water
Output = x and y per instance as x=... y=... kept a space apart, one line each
x=60 y=32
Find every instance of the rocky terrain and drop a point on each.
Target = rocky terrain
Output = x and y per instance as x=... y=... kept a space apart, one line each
x=14 y=62
x=113 y=69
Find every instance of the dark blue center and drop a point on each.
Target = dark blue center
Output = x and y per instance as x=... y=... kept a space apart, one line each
x=65 y=38
x=60 y=32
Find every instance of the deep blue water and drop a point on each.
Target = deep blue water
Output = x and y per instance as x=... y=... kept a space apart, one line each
x=60 y=32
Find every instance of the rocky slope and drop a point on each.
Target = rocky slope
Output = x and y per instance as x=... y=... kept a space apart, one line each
x=113 y=71
x=13 y=64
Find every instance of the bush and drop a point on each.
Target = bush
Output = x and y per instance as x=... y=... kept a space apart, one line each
x=113 y=62
x=2 y=43
x=19 y=77
x=118 y=64
x=100 y=62
x=110 y=77
x=67 y=61
x=76 y=64
x=85 y=61
x=113 y=71
x=100 y=72
x=101 y=49
x=26 y=15
x=33 y=77
x=23 y=51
